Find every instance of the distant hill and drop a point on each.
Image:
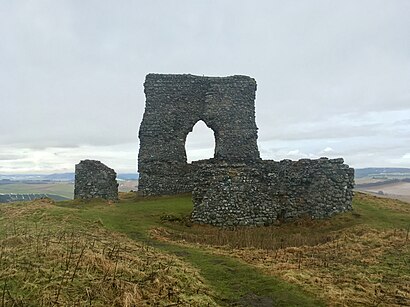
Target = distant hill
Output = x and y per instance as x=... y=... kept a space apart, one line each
x=60 y=177
x=382 y=172
x=128 y=176
x=71 y=176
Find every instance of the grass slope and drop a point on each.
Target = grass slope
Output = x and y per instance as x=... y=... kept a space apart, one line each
x=51 y=257
x=232 y=281
x=357 y=258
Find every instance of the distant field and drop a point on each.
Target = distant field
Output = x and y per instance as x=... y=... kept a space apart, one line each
x=127 y=185
x=397 y=190
x=65 y=189
x=367 y=180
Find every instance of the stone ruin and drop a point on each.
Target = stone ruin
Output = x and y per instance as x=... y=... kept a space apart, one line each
x=93 y=179
x=236 y=187
x=174 y=104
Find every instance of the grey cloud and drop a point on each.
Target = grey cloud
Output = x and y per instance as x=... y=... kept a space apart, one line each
x=72 y=72
x=342 y=126
x=12 y=157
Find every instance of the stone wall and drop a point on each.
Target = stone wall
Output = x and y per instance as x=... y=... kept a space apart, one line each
x=174 y=104
x=265 y=192
x=93 y=179
x=236 y=187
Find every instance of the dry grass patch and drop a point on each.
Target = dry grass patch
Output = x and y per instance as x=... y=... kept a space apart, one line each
x=48 y=257
x=363 y=266
x=357 y=258
x=302 y=232
x=358 y=266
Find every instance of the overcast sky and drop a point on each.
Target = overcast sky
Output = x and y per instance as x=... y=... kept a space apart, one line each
x=333 y=76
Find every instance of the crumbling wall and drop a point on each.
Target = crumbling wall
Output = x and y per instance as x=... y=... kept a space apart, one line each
x=235 y=187
x=93 y=179
x=174 y=104
x=265 y=192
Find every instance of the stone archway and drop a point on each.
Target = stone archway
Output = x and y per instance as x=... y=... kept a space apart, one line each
x=200 y=143
x=174 y=104
x=236 y=187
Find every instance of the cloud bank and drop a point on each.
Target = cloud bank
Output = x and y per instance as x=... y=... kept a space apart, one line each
x=331 y=75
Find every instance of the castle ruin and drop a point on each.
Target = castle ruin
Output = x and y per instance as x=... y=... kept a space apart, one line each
x=236 y=187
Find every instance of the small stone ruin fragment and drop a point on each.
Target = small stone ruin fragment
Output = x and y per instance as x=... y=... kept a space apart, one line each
x=93 y=179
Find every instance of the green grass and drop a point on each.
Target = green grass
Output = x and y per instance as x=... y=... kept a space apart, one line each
x=230 y=279
x=356 y=258
x=368 y=211
x=133 y=216
x=51 y=256
x=382 y=212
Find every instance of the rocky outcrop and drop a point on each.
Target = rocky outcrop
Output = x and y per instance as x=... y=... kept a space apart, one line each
x=93 y=179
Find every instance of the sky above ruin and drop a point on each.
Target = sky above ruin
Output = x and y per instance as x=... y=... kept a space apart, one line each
x=333 y=76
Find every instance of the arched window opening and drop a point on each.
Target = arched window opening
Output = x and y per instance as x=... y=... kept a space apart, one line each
x=200 y=143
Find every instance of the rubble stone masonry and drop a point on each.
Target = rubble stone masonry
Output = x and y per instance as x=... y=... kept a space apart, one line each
x=93 y=179
x=236 y=187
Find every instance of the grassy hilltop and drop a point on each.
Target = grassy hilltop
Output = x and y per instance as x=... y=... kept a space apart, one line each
x=144 y=251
